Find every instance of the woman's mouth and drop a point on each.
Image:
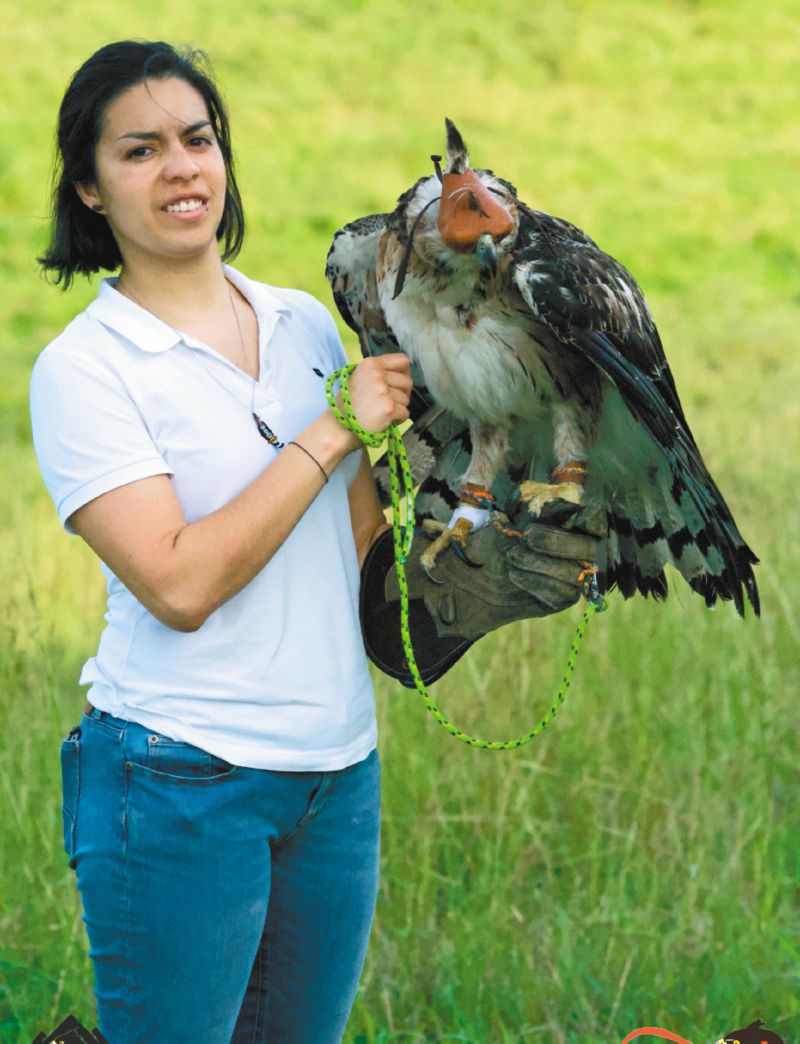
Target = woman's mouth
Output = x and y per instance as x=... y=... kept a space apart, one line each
x=187 y=209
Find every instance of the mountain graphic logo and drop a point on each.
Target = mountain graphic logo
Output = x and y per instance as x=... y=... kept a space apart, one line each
x=71 y=1031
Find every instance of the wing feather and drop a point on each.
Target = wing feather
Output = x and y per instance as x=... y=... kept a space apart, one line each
x=594 y=307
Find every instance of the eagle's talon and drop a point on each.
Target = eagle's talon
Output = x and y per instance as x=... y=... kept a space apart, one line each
x=425 y=569
x=461 y=554
x=455 y=536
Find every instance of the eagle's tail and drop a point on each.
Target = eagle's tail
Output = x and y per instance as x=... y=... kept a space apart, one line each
x=680 y=518
x=688 y=525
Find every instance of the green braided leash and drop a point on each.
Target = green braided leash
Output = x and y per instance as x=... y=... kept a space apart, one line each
x=404 y=534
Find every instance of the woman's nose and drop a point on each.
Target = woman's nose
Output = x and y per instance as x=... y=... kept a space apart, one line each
x=180 y=163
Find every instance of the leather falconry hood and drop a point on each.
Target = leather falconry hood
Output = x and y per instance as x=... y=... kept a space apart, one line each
x=468 y=210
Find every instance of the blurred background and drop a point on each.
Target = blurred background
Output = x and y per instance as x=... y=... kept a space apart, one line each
x=637 y=863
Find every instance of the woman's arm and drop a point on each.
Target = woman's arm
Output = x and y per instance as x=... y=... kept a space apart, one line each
x=183 y=572
x=366 y=512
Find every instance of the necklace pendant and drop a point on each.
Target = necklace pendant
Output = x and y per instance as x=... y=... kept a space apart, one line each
x=267 y=433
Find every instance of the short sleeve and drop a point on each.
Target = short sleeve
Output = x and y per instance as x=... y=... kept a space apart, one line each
x=335 y=346
x=88 y=433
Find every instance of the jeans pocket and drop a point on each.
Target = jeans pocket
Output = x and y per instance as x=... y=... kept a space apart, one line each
x=173 y=759
x=70 y=786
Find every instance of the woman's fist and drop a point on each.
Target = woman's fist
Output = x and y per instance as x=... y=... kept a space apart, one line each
x=380 y=390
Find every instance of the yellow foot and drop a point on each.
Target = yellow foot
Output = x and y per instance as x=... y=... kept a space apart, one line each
x=537 y=494
x=458 y=533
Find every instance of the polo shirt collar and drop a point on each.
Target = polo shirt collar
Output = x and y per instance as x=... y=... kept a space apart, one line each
x=150 y=334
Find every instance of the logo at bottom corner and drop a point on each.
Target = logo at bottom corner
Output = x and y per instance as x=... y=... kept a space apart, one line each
x=754 y=1033
x=71 y=1031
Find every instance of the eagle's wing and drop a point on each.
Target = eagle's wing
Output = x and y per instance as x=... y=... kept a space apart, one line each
x=593 y=307
x=438 y=444
x=351 y=270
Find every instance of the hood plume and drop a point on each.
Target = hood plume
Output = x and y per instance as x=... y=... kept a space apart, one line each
x=457 y=155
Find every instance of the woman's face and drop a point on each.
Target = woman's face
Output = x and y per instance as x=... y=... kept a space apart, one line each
x=160 y=173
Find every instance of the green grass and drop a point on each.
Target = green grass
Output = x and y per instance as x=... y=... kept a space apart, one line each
x=637 y=864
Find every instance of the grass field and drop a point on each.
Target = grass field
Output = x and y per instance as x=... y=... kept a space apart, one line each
x=638 y=863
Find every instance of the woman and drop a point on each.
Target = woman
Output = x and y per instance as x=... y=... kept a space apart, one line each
x=222 y=791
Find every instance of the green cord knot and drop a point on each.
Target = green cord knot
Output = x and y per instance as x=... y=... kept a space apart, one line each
x=348 y=418
x=404 y=534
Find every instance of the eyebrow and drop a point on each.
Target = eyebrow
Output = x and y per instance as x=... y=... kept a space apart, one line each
x=154 y=135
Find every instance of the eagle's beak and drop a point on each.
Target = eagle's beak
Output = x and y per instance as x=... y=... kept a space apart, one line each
x=486 y=253
x=468 y=212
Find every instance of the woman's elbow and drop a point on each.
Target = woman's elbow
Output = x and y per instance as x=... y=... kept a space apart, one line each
x=178 y=611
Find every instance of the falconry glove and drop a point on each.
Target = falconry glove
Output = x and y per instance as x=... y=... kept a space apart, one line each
x=510 y=579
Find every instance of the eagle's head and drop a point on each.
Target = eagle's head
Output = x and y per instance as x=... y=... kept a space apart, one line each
x=459 y=218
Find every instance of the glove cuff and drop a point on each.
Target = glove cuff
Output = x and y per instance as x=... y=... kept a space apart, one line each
x=380 y=624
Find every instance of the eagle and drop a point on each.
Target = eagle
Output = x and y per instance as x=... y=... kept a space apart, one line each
x=539 y=376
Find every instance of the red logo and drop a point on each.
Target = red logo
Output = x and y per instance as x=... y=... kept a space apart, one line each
x=752 y=1034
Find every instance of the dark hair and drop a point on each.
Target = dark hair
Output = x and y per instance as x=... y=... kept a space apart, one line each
x=81 y=240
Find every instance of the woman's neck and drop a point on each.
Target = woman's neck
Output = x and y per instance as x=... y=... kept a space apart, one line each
x=176 y=289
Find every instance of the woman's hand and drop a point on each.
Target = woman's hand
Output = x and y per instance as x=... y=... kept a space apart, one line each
x=380 y=390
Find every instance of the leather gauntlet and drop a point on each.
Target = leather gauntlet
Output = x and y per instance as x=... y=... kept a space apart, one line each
x=510 y=579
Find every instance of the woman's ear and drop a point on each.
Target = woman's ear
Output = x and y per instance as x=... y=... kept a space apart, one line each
x=87 y=192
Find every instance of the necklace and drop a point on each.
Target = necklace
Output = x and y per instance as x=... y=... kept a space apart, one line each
x=264 y=430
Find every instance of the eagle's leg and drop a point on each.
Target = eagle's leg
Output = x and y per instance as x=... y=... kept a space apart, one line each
x=489 y=446
x=568 y=476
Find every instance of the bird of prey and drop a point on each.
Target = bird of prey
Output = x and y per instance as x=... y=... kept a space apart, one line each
x=538 y=370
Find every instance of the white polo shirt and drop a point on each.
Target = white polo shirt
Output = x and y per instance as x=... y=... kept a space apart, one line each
x=277 y=677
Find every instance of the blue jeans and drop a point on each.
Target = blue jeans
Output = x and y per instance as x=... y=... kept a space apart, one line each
x=222 y=904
